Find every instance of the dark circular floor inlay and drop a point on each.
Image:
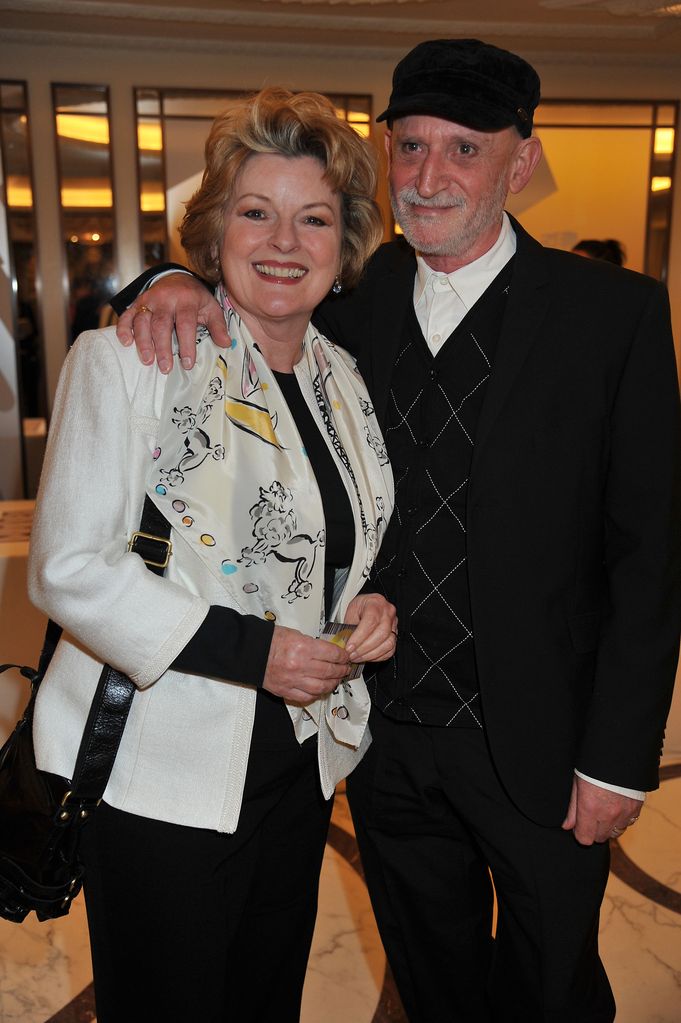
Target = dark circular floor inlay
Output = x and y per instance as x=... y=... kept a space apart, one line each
x=389 y=1008
x=627 y=871
x=80 y=1009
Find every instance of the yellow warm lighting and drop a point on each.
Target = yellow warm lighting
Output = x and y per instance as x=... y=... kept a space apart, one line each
x=152 y=201
x=357 y=120
x=84 y=129
x=660 y=184
x=19 y=193
x=96 y=129
x=664 y=141
x=363 y=130
x=149 y=136
x=80 y=198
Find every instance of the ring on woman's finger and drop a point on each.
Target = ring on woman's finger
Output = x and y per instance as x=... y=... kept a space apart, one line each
x=143 y=309
x=632 y=820
x=616 y=832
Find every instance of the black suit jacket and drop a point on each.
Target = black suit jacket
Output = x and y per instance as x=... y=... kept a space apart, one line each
x=573 y=513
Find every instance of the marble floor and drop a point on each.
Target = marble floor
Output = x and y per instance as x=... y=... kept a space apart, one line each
x=45 y=971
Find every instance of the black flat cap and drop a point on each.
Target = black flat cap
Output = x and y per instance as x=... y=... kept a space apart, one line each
x=466 y=81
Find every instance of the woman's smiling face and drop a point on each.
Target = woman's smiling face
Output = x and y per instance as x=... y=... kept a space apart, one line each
x=281 y=246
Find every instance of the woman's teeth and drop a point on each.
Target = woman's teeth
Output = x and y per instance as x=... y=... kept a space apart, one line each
x=280 y=271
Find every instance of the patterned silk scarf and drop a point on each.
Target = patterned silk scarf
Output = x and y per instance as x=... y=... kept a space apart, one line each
x=232 y=477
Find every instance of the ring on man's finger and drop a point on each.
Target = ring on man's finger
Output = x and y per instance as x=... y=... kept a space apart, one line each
x=143 y=309
x=632 y=820
x=616 y=832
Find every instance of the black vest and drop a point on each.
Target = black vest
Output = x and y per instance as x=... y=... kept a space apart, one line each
x=433 y=409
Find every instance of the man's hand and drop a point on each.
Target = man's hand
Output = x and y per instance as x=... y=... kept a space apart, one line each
x=300 y=668
x=177 y=300
x=375 y=637
x=597 y=814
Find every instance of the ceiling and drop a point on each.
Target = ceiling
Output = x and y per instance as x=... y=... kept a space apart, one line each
x=641 y=30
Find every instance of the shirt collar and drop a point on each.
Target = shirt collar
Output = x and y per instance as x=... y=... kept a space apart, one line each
x=470 y=281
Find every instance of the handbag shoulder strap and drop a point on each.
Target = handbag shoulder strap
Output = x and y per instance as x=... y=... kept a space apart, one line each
x=35 y=675
x=114 y=694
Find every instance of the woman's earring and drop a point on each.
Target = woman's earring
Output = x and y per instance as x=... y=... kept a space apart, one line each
x=337 y=286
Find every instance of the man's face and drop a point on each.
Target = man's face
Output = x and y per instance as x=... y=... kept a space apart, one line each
x=448 y=185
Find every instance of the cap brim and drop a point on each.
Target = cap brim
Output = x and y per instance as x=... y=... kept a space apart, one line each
x=469 y=113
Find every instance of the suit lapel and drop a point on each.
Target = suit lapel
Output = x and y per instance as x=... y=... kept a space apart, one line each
x=526 y=309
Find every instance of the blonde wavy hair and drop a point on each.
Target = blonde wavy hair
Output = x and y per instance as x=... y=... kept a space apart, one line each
x=287 y=124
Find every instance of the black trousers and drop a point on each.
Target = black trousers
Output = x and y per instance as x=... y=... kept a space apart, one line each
x=189 y=924
x=432 y=821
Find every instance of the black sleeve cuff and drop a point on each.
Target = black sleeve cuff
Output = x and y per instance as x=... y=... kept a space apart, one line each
x=228 y=645
x=124 y=299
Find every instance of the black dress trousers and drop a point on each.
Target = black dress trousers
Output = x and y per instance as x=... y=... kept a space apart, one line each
x=432 y=821
x=190 y=924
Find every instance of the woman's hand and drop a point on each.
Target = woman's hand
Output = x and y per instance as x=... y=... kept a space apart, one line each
x=375 y=637
x=176 y=301
x=300 y=669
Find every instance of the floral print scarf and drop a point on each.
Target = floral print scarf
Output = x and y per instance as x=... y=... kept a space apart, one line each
x=232 y=477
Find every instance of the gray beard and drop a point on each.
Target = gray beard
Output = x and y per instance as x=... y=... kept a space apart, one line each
x=467 y=232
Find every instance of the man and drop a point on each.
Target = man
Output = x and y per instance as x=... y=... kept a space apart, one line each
x=529 y=403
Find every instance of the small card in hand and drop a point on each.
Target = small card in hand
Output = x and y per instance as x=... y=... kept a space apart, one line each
x=339 y=633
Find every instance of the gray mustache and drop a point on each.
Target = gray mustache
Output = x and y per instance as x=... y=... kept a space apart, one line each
x=413 y=198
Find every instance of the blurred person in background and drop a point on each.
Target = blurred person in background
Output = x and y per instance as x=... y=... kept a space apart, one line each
x=608 y=249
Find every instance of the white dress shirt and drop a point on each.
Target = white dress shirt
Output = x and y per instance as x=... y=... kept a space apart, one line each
x=442 y=300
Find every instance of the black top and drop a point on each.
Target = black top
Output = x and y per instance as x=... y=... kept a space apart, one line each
x=340 y=532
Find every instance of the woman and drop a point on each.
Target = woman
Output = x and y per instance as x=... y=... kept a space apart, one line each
x=202 y=863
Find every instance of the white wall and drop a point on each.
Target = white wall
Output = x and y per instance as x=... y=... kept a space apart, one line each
x=627 y=81
x=601 y=183
x=10 y=441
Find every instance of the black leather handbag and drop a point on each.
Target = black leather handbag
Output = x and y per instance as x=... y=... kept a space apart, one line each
x=42 y=815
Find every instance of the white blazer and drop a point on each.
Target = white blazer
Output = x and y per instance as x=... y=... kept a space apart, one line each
x=184 y=752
